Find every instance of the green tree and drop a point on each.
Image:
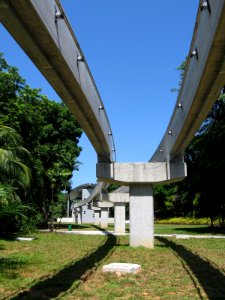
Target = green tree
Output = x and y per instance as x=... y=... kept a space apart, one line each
x=12 y=156
x=202 y=192
x=15 y=216
x=206 y=163
x=15 y=180
x=49 y=131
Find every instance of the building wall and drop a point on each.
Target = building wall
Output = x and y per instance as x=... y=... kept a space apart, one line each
x=87 y=214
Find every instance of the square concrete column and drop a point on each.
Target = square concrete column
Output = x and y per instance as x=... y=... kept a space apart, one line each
x=97 y=217
x=119 y=200
x=141 y=216
x=104 y=217
x=119 y=218
x=104 y=206
x=74 y=215
x=68 y=207
x=78 y=215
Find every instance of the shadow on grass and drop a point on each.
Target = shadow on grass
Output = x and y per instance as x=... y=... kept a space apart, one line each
x=62 y=281
x=202 y=230
x=9 y=266
x=102 y=229
x=208 y=275
x=8 y=237
x=99 y=228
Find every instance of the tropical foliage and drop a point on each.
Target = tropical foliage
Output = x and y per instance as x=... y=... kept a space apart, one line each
x=12 y=154
x=202 y=193
x=14 y=181
x=49 y=133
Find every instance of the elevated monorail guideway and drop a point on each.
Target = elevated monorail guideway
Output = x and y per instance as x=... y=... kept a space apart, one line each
x=202 y=83
x=42 y=30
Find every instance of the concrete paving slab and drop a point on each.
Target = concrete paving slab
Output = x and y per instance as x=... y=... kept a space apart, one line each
x=207 y=236
x=105 y=232
x=25 y=238
x=121 y=268
x=85 y=232
x=182 y=236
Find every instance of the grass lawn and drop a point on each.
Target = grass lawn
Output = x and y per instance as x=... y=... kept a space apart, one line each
x=56 y=266
x=187 y=229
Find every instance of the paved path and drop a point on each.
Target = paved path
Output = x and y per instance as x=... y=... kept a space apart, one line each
x=104 y=232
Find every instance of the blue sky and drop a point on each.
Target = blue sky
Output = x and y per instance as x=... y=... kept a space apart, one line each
x=132 y=48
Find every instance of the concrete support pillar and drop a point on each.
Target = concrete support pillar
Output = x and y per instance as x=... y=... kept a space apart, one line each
x=141 y=215
x=119 y=200
x=74 y=215
x=104 y=206
x=97 y=217
x=78 y=215
x=68 y=207
x=119 y=218
x=104 y=217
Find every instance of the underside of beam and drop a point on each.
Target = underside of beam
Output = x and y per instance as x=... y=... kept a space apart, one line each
x=52 y=46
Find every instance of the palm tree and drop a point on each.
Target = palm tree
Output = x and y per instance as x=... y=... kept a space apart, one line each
x=12 y=156
x=14 y=177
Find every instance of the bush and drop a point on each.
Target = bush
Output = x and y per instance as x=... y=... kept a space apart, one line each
x=17 y=217
x=186 y=221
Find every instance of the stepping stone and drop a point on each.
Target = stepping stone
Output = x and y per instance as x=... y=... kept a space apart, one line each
x=121 y=268
x=24 y=239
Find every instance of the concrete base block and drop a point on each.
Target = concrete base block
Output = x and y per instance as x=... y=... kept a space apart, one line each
x=182 y=236
x=121 y=268
x=25 y=239
x=66 y=220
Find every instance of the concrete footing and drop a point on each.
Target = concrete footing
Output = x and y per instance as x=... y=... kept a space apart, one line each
x=121 y=268
x=141 y=216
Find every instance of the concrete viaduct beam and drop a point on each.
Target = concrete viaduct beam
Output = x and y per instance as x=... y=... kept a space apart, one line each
x=202 y=83
x=42 y=30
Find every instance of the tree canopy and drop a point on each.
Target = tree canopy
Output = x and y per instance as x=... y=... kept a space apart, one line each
x=202 y=192
x=49 y=132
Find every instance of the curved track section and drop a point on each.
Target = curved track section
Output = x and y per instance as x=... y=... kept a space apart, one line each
x=100 y=187
x=42 y=30
x=203 y=80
